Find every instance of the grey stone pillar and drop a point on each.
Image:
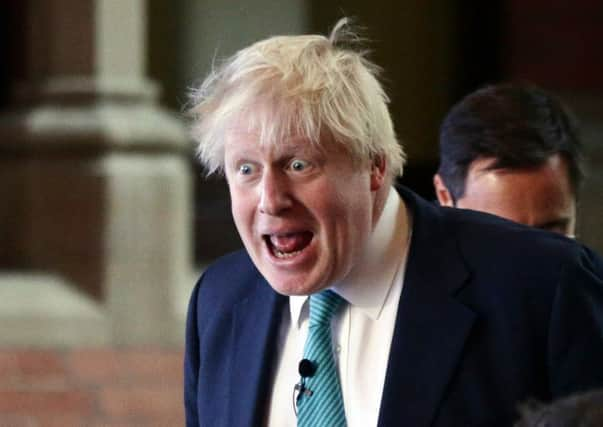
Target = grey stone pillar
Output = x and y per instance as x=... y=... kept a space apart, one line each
x=96 y=179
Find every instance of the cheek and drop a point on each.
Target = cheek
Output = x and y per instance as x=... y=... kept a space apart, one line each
x=335 y=202
x=352 y=204
x=241 y=207
x=355 y=194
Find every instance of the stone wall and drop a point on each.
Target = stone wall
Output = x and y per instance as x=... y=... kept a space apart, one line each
x=95 y=184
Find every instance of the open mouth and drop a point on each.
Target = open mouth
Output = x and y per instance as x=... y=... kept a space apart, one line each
x=288 y=245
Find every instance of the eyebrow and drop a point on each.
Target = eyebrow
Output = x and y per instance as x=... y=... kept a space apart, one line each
x=561 y=223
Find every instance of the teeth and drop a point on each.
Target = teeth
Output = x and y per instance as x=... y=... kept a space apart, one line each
x=284 y=255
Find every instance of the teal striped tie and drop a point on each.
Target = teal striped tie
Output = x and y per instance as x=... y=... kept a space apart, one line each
x=324 y=406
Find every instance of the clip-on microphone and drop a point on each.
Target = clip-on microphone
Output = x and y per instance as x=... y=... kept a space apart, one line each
x=306 y=369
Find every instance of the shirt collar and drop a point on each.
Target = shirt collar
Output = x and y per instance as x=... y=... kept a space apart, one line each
x=369 y=282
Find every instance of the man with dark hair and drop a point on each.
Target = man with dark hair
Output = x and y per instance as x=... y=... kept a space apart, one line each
x=512 y=151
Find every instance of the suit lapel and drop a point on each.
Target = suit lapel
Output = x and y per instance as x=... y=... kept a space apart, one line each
x=431 y=326
x=255 y=328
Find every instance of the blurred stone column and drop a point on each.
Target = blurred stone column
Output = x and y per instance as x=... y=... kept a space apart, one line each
x=96 y=175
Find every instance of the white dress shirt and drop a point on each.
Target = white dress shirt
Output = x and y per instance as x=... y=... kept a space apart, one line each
x=362 y=328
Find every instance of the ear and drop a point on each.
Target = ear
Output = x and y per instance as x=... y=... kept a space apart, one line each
x=378 y=170
x=442 y=193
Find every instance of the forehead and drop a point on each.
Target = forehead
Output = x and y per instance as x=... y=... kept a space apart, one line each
x=243 y=140
x=526 y=195
x=553 y=173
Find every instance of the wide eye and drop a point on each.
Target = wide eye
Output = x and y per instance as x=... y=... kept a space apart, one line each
x=298 y=165
x=246 y=169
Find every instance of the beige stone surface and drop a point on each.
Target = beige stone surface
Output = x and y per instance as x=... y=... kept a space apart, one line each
x=45 y=311
x=95 y=180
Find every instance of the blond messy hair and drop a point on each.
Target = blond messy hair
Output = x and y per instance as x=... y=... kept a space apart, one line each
x=307 y=86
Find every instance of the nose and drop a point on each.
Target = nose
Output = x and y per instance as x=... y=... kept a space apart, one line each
x=275 y=196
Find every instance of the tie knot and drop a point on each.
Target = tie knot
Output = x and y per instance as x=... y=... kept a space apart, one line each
x=323 y=306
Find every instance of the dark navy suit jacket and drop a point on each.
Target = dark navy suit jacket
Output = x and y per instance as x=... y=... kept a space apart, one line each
x=492 y=313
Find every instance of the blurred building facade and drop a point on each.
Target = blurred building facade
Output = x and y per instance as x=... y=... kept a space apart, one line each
x=95 y=182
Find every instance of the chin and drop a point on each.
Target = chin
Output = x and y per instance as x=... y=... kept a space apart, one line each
x=290 y=287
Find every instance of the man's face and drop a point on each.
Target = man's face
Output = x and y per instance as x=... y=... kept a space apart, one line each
x=303 y=213
x=541 y=197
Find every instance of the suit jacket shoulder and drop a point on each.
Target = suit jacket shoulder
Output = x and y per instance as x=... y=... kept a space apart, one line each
x=233 y=318
x=492 y=313
x=511 y=257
